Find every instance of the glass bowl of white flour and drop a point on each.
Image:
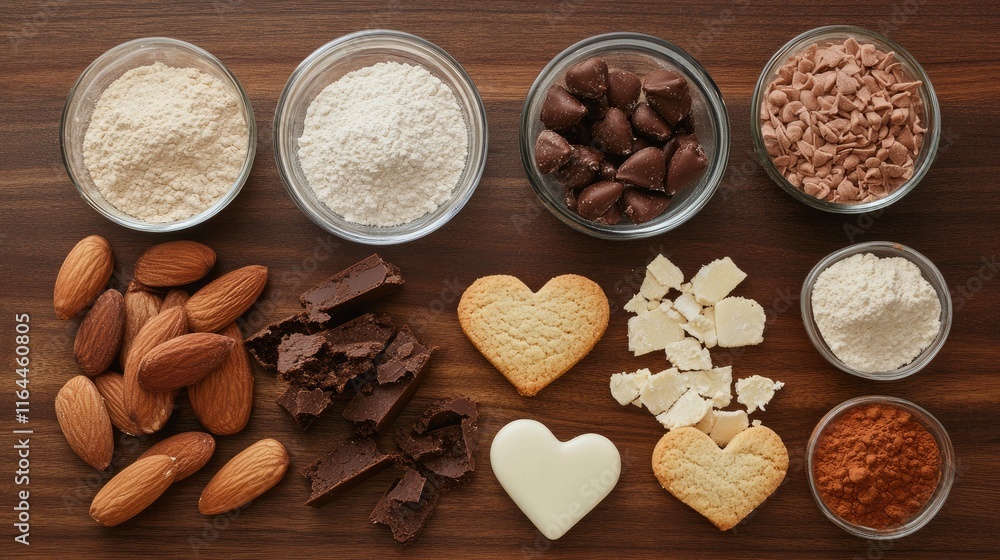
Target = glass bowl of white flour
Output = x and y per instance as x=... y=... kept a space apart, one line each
x=158 y=135
x=877 y=310
x=380 y=137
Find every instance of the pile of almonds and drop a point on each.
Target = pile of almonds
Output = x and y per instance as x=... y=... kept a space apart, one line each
x=163 y=344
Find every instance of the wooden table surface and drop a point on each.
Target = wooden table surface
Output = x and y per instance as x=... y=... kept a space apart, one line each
x=952 y=218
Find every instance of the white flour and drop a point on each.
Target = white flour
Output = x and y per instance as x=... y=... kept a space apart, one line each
x=384 y=145
x=876 y=315
x=164 y=143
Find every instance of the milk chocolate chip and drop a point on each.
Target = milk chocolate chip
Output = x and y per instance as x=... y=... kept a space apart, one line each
x=686 y=167
x=588 y=78
x=642 y=206
x=561 y=110
x=596 y=199
x=551 y=151
x=607 y=170
x=624 y=89
x=646 y=168
x=667 y=92
x=613 y=134
x=581 y=168
x=611 y=217
x=648 y=123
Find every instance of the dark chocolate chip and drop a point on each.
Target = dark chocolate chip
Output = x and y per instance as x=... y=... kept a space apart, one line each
x=551 y=151
x=581 y=169
x=611 y=217
x=579 y=133
x=588 y=78
x=671 y=146
x=667 y=92
x=594 y=200
x=624 y=89
x=640 y=143
x=686 y=167
x=613 y=134
x=646 y=168
x=642 y=206
x=648 y=123
x=561 y=110
x=607 y=170
x=686 y=125
x=596 y=108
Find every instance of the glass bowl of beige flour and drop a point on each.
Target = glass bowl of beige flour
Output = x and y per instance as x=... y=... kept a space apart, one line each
x=878 y=310
x=380 y=137
x=158 y=135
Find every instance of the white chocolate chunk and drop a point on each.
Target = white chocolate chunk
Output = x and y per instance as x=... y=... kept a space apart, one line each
x=687 y=354
x=727 y=425
x=651 y=331
x=715 y=280
x=686 y=288
x=651 y=289
x=701 y=328
x=651 y=305
x=756 y=391
x=687 y=306
x=625 y=387
x=706 y=422
x=715 y=384
x=687 y=411
x=711 y=336
x=662 y=391
x=668 y=307
x=636 y=305
x=756 y=423
x=739 y=322
x=666 y=272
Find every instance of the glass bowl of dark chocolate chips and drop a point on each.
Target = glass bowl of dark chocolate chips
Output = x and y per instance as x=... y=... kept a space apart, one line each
x=624 y=136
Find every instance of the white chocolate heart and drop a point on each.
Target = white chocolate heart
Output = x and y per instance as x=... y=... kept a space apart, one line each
x=554 y=483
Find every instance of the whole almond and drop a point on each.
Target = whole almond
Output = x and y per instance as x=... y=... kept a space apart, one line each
x=225 y=298
x=183 y=360
x=249 y=474
x=133 y=489
x=84 y=421
x=222 y=401
x=191 y=449
x=140 y=307
x=174 y=298
x=111 y=385
x=82 y=276
x=100 y=334
x=149 y=410
x=174 y=263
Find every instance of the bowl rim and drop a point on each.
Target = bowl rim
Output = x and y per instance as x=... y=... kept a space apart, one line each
x=716 y=107
x=934 y=503
x=245 y=104
x=477 y=120
x=931 y=139
x=929 y=271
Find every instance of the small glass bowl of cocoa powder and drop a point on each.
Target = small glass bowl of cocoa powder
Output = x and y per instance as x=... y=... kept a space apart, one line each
x=880 y=467
x=782 y=147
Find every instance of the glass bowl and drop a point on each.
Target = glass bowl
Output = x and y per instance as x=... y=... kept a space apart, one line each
x=640 y=54
x=352 y=52
x=109 y=67
x=937 y=498
x=880 y=249
x=928 y=104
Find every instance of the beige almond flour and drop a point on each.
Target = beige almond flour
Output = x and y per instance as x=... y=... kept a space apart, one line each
x=876 y=314
x=164 y=143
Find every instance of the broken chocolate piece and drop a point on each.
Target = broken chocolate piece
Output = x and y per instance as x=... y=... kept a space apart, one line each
x=646 y=168
x=624 y=89
x=561 y=110
x=263 y=345
x=551 y=151
x=350 y=289
x=305 y=405
x=442 y=441
x=588 y=78
x=406 y=506
x=343 y=468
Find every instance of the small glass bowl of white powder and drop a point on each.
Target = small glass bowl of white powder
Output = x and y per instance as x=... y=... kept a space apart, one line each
x=877 y=310
x=380 y=137
x=158 y=135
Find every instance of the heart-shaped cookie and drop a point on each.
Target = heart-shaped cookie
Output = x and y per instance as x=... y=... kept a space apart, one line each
x=554 y=483
x=724 y=485
x=533 y=337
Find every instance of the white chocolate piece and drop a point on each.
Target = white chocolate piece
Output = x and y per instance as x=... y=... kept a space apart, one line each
x=687 y=306
x=756 y=391
x=715 y=384
x=666 y=272
x=651 y=289
x=756 y=423
x=554 y=483
x=687 y=354
x=727 y=425
x=739 y=322
x=701 y=328
x=711 y=336
x=707 y=421
x=715 y=280
x=651 y=331
x=662 y=391
x=626 y=387
x=687 y=411
x=651 y=305
x=636 y=305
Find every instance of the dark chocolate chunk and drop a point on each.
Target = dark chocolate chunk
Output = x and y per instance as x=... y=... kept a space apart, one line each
x=641 y=205
x=561 y=110
x=343 y=468
x=648 y=123
x=305 y=405
x=607 y=170
x=611 y=217
x=686 y=125
x=263 y=345
x=594 y=200
x=686 y=166
x=667 y=92
x=442 y=441
x=624 y=89
x=406 y=506
x=351 y=289
x=583 y=165
x=613 y=134
x=596 y=108
x=646 y=168
x=446 y=412
x=551 y=151
x=588 y=78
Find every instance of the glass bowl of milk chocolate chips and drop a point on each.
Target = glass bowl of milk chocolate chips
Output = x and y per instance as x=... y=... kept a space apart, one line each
x=624 y=136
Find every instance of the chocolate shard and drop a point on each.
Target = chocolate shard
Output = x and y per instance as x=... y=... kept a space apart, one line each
x=263 y=344
x=305 y=405
x=406 y=506
x=588 y=78
x=551 y=151
x=624 y=89
x=343 y=468
x=561 y=110
x=646 y=168
x=442 y=442
x=350 y=289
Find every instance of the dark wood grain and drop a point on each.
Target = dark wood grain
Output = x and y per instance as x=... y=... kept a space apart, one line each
x=952 y=218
